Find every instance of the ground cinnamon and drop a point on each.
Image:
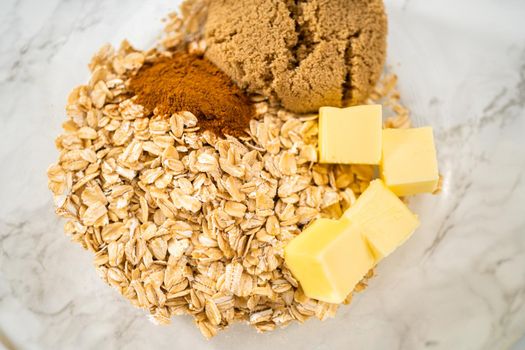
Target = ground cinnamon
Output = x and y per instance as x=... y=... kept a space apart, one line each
x=188 y=82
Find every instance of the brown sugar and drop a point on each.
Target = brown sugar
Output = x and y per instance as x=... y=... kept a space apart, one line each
x=307 y=53
x=187 y=82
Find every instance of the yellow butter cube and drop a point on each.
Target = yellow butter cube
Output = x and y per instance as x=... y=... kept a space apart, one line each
x=350 y=135
x=409 y=165
x=382 y=218
x=329 y=258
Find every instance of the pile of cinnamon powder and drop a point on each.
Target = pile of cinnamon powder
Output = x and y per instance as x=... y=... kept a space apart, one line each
x=186 y=82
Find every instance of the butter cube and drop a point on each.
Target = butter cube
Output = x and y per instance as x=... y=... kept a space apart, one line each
x=350 y=135
x=382 y=218
x=329 y=258
x=409 y=165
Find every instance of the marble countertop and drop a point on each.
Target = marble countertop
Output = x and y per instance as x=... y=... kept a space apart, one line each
x=459 y=283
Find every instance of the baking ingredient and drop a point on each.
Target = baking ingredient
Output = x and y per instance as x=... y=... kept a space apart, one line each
x=307 y=53
x=382 y=218
x=350 y=135
x=191 y=83
x=409 y=164
x=329 y=258
x=180 y=222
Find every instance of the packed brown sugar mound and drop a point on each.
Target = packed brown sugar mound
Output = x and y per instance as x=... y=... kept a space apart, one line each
x=307 y=53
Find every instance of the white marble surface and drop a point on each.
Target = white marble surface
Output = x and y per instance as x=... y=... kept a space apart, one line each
x=459 y=283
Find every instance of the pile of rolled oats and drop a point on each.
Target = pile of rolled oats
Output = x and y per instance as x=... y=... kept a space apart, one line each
x=183 y=222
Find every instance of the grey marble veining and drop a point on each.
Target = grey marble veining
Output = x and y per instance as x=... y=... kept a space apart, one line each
x=459 y=283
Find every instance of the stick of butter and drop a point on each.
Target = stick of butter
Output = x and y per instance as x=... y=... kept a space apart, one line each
x=329 y=258
x=350 y=135
x=409 y=165
x=382 y=218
